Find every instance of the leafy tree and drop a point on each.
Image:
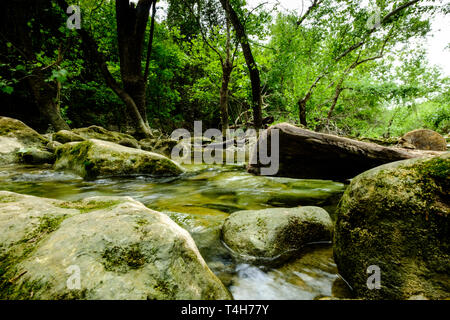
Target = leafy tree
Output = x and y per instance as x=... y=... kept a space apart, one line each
x=35 y=54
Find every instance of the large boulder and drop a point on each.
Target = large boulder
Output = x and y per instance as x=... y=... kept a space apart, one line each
x=15 y=136
x=397 y=217
x=97 y=248
x=305 y=154
x=424 y=139
x=271 y=236
x=93 y=158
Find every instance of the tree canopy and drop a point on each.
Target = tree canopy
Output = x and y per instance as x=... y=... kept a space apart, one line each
x=336 y=66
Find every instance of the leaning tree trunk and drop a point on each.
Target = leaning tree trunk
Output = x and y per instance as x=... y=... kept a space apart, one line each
x=305 y=154
x=250 y=61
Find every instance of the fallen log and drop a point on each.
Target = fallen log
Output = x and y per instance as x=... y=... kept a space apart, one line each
x=306 y=154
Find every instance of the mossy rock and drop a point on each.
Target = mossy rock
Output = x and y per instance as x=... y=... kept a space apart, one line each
x=131 y=143
x=160 y=145
x=271 y=236
x=15 y=135
x=99 y=133
x=424 y=139
x=66 y=136
x=35 y=156
x=122 y=249
x=96 y=158
x=396 y=217
x=13 y=128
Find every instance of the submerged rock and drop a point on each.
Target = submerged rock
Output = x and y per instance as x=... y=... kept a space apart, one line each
x=272 y=235
x=397 y=217
x=15 y=135
x=424 y=139
x=97 y=248
x=94 y=158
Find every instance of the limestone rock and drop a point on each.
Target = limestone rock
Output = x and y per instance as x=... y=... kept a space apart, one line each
x=115 y=246
x=93 y=158
x=271 y=235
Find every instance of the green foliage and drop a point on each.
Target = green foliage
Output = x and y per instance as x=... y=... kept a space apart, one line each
x=384 y=96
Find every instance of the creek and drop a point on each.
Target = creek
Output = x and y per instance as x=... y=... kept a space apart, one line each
x=199 y=201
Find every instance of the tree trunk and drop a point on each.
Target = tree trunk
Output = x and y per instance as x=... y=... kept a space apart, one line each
x=226 y=75
x=150 y=42
x=227 y=69
x=133 y=110
x=131 y=25
x=45 y=94
x=302 y=112
x=305 y=154
x=45 y=97
x=250 y=60
x=135 y=100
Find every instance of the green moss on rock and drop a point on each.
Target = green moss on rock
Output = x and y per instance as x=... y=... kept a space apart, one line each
x=123 y=250
x=271 y=236
x=94 y=158
x=397 y=217
x=121 y=259
x=87 y=206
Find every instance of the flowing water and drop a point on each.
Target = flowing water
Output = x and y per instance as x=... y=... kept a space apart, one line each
x=199 y=201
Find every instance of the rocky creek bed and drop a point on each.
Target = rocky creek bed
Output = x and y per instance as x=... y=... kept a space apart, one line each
x=140 y=226
x=199 y=201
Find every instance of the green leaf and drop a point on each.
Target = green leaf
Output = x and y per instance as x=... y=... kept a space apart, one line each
x=7 y=89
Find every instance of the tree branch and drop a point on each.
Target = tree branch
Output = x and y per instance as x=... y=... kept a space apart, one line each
x=315 y=4
x=150 y=41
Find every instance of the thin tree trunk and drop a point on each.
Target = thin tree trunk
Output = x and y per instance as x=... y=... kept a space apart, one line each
x=150 y=42
x=336 y=96
x=302 y=109
x=131 y=26
x=227 y=69
x=129 y=102
x=250 y=60
x=226 y=75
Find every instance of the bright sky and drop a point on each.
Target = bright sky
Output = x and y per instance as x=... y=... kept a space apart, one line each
x=438 y=42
